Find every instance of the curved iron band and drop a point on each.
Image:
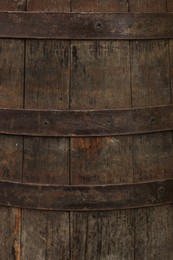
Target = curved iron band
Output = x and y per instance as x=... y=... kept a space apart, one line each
x=87 y=122
x=86 y=25
x=86 y=198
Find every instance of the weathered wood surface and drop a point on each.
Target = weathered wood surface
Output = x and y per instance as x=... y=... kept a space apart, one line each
x=45 y=235
x=152 y=155
x=169 y=6
x=117 y=74
x=99 y=6
x=87 y=122
x=148 y=153
x=148 y=5
x=17 y=5
x=101 y=160
x=39 y=25
x=11 y=96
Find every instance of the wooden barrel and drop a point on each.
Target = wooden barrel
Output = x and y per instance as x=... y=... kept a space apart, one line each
x=86 y=145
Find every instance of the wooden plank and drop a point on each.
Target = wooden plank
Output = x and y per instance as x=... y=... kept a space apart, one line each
x=10 y=228
x=46 y=235
x=169 y=6
x=49 y=6
x=147 y=5
x=154 y=233
x=146 y=91
x=152 y=154
x=101 y=160
x=86 y=26
x=168 y=211
x=11 y=96
x=106 y=122
x=97 y=235
x=99 y=6
x=17 y=5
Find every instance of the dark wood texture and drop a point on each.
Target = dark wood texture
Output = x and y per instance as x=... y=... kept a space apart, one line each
x=41 y=25
x=169 y=6
x=152 y=154
x=45 y=235
x=101 y=160
x=17 y=5
x=86 y=197
x=11 y=96
x=99 y=5
x=96 y=75
x=49 y=6
x=148 y=5
x=86 y=122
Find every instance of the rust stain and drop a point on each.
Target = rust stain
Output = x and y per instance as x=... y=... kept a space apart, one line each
x=17 y=250
x=17 y=221
x=16 y=244
x=90 y=146
x=87 y=143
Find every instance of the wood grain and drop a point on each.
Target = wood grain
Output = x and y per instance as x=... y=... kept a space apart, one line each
x=99 y=6
x=171 y=61
x=49 y=6
x=98 y=235
x=9 y=5
x=152 y=154
x=45 y=235
x=46 y=160
x=169 y=6
x=148 y=5
x=101 y=160
x=11 y=96
x=104 y=67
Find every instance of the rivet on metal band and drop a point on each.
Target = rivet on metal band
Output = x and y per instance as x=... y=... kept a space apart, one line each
x=86 y=198
x=83 y=26
x=75 y=123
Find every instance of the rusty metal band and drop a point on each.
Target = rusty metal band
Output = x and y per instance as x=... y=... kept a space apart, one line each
x=42 y=25
x=86 y=198
x=86 y=122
